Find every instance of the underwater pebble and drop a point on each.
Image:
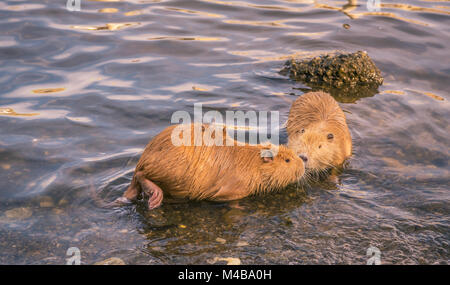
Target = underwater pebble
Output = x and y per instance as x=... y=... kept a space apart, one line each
x=233 y=215
x=19 y=213
x=111 y=261
x=58 y=211
x=46 y=202
x=63 y=202
x=229 y=260
x=221 y=240
x=6 y=166
x=242 y=243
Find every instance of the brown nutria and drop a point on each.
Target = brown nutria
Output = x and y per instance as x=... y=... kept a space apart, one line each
x=202 y=172
x=318 y=132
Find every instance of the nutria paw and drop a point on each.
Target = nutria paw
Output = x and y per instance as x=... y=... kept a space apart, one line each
x=155 y=193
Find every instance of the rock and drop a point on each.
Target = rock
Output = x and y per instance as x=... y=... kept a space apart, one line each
x=111 y=261
x=338 y=74
x=242 y=243
x=221 y=240
x=19 y=213
x=46 y=202
x=229 y=260
x=58 y=211
x=6 y=166
x=63 y=202
x=233 y=216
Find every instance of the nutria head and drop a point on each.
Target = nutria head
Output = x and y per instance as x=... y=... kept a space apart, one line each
x=318 y=132
x=281 y=169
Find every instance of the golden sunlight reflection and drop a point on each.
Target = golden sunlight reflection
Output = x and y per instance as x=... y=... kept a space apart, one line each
x=264 y=56
x=312 y=35
x=351 y=5
x=139 y=97
x=413 y=8
x=133 y=13
x=23 y=7
x=79 y=119
x=231 y=77
x=108 y=26
x=78 y=82
x=186 y=11
x=442 y=7
x=435 y=0
x=202 y=39
x=284 y=96
x=278 y=24
x=48 y=90
x=251 y=5
x=188 y=87
x=396 y=92
x=108 y=10
x=195 y=88
x=11 y=112
x=434 y=96
x=25 y=110
x=428 y=94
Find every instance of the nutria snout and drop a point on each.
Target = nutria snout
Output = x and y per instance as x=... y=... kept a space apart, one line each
x=303 y=157
x=318 y=132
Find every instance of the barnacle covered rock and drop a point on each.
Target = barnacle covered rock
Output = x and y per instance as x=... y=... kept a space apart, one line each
x=341 y=74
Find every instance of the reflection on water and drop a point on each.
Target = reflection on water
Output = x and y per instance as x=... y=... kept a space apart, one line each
x=83 y=92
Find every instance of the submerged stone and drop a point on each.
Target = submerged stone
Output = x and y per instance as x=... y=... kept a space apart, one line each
x=228 y=260
x=344 y=75
x=46 y=202
x=19 y=213
x=221 y=240
x=111 y=261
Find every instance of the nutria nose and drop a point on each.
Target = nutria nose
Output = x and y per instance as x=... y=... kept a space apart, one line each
x=303 y=157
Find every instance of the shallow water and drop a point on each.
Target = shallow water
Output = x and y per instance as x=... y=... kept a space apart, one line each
x=83 y=92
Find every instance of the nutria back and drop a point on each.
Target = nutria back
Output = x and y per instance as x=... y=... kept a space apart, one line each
x=317 y=130
x=220 y=173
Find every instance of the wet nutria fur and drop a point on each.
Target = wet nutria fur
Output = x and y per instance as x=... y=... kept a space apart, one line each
x=318 y=132
x=217 y=173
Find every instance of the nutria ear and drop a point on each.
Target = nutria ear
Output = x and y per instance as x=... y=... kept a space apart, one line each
x=267 y=155
x=267 y=159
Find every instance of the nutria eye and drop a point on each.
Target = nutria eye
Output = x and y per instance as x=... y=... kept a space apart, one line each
x=330 y=136
x=287 y=160
x=302 y=131
x=320 y=146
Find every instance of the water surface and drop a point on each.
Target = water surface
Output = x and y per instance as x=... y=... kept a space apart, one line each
x=83 y=92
